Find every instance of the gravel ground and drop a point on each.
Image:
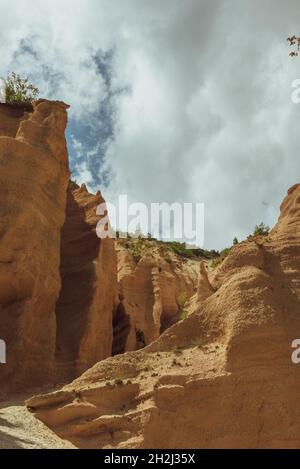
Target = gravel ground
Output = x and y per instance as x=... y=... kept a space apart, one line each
x=19 y=429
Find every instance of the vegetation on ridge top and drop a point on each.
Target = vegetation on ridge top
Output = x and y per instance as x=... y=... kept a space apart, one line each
x=18 y=90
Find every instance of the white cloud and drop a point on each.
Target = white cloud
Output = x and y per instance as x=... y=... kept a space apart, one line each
x=206 y=114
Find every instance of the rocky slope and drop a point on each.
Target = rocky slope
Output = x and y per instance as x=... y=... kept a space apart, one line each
x=223 y=377
x=20 y=430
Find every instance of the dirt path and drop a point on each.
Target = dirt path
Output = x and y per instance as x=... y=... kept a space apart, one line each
x=19 y=429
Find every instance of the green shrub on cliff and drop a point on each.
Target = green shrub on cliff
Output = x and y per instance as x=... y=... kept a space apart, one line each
x=261 y=230
x=18 y=90
x=181 y=249
x=218 y=260
x=182 y=300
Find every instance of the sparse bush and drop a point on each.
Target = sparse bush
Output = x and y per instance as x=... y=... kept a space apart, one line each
x=18 y=90
x=184 y=314
x=235 y=241
x=212 y=254
x=261 y=230
x=139 y=244
x=218 y=260
x=182 y=250
x=182 y=300
x=137 y=247
x=225 y=252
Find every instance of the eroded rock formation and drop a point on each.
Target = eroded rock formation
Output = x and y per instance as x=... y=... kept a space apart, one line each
x=57 y=279
x=153 y=289
x=223 y=377
x=89 y=284
x=204 y=290
x=33 y=183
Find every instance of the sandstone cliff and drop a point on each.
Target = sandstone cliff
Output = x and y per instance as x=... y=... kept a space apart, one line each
x=89 y=284
x=33 y=182
x=223 y=377
x=57 y=279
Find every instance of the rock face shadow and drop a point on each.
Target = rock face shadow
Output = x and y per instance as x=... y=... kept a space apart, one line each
x=88 y=271
x=79 y=248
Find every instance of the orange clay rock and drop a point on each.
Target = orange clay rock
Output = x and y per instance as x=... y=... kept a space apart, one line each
x=204 y=290
x=154 y=285
x=221 y=378
x=89 y=284
x=58 y=281
x=33 y=182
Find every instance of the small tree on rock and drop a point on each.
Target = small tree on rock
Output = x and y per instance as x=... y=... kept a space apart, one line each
x=261 y=230
x=18 y=90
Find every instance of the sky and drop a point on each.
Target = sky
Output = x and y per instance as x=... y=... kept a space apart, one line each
x=173 y=101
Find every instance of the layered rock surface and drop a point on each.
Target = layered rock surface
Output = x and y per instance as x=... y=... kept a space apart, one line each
x=223 y=377
x=58 y=280
x=33 y=182
x=153 y=288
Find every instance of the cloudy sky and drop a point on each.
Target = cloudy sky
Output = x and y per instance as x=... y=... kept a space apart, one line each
x=171 y=101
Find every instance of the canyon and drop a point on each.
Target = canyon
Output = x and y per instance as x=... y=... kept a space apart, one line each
x=125 y=343
x=67 y=298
